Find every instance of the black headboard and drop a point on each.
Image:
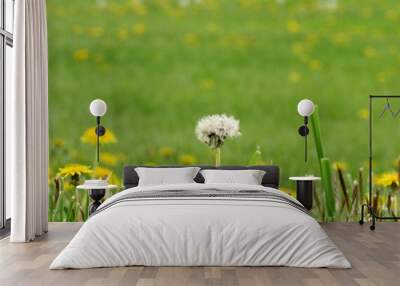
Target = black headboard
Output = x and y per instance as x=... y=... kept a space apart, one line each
x=271 y=177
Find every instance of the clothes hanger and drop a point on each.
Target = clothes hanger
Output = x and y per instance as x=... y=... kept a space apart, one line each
x=389 y=107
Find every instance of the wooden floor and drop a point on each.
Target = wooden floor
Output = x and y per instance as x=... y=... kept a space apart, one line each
x=375 y=257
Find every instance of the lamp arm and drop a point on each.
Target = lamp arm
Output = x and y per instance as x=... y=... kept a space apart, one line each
x=98 y=138
x=100 y=131
x=305 y=138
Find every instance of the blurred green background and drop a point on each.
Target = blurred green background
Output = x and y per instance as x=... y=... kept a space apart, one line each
x=161 y=65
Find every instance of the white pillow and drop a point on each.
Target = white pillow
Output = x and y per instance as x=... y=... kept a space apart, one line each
x=165 y=176
x=248 y=177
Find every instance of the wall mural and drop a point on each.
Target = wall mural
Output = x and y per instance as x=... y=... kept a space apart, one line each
x=162 y=65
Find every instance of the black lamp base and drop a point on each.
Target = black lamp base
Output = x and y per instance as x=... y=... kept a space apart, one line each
x=96 y=195
x=304 y=193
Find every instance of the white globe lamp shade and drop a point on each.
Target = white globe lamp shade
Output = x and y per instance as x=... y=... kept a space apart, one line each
x=305 y=107
x=98 y=107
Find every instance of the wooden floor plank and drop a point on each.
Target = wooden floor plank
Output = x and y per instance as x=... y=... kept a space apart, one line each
x=375 y=257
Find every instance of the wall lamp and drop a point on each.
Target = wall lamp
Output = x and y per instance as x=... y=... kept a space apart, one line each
x=98 y=108
x=305 y=108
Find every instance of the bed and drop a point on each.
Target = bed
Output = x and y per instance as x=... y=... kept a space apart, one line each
x=201 y=224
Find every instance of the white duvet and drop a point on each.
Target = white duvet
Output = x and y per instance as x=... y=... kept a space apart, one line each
x=200 y=231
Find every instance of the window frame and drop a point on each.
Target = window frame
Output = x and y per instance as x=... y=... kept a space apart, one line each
x=6 y=39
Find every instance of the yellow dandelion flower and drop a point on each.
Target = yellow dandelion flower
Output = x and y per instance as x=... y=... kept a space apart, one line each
x=122 y=33
x=71 y=170
x=369 y=52
x=81 y=55
x=106 y=174
x=207 y=84
x=95 y=31
x=339 y=166
x=191 y=39
x=89 y=136
x=293 y=26
x=167 y=152
x=139 y=29
x=388 y=179
x=363 y=114
x=314 y=65
x=109 y=158
x=294 y=77
x=187 y=159
x=102 y=173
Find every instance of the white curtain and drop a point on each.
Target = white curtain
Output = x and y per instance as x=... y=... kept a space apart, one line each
x=27 y=124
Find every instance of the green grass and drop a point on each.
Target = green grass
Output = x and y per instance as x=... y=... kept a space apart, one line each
x=240 y=62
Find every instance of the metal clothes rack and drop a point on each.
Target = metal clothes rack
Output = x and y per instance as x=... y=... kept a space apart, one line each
x=368 y=205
